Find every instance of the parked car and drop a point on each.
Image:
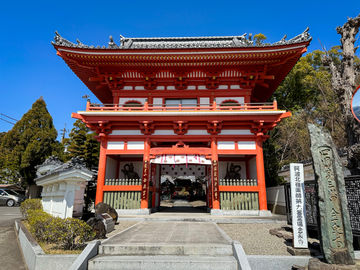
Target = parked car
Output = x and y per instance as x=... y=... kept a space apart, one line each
x=10 y=197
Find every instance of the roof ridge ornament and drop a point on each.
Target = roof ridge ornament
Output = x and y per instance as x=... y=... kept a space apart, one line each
x=112 y=44
x=183 y=42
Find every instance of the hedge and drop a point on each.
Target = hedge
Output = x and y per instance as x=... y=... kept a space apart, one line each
x=68 y=234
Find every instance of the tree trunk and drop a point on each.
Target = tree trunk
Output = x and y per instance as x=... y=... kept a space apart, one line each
x=343 y=83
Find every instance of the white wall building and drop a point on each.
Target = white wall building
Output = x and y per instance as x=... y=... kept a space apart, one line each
x=63 y=187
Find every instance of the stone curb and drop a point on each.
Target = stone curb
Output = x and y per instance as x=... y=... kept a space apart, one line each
x=240 y=256
x=81 y=262
x=238 y=251
x=270 y=262
x=36 y=259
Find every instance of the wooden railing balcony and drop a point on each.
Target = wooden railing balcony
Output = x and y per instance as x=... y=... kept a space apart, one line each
x=267 y=106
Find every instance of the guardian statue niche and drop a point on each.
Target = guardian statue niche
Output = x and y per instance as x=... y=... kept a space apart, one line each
x=129 y=172
x=233 y=172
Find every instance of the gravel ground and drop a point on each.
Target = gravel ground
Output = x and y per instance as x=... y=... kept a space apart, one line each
x=256 y=239
x=122 y=225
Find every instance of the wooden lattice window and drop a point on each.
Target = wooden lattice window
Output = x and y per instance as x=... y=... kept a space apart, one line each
x=229 y=102
x=132 y=103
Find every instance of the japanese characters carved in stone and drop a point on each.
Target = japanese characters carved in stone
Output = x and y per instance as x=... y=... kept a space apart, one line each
x=336 y=234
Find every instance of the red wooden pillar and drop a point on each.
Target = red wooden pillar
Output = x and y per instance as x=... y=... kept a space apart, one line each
x=260 y=172
x=145 y=176
x=116 y=98
x=215 y=175
x=102 y=170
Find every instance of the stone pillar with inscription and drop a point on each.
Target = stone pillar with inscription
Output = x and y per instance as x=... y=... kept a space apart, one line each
x=336 y=233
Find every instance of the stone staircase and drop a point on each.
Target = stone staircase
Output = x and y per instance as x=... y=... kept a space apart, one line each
x=167 y=245
x=140 y=256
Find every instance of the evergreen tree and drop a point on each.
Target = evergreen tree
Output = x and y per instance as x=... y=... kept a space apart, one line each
x=82 y=143
x=308 y=94
x=28 y=144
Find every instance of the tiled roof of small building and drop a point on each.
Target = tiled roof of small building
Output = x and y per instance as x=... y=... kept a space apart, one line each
x=182 y=42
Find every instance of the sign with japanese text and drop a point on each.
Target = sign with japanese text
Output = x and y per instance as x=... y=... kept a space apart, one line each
x=215 y=174
x=145 y=180
x=298 y=205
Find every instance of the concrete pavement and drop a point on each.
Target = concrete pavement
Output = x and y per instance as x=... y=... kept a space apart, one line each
x=10 y=255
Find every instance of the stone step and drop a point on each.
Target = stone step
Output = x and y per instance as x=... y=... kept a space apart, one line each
x=162 y=262
x=166 y=249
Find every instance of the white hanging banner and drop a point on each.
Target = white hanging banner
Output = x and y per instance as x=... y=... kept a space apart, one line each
x=181 y=159
x=298 y=207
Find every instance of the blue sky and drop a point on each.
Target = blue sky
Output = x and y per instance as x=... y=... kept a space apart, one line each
x=30 y=68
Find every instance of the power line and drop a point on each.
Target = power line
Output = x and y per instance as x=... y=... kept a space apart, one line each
x=2 y=114
x=7 y=121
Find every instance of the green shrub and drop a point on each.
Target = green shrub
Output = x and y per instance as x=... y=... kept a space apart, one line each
x=72 y=233
x=68 y=234
x=30 y=204
x=39 y=222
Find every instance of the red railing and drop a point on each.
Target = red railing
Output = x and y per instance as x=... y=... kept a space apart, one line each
x=199 y=107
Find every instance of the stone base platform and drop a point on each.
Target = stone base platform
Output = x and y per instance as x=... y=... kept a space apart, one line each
x=170 y=245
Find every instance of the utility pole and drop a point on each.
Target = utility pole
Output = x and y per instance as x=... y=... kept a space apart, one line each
x=63 y=133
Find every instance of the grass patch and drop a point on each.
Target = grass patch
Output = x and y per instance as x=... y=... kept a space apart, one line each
x=51 y=249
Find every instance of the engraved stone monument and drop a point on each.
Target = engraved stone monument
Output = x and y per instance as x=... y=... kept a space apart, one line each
x=336 y=234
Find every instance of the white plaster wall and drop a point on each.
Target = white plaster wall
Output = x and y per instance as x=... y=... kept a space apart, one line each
x=197 y=132
x=110 y=172
x=137 y=168
x=126 y=132
x=115 y=145
x=58 y=207
x=252 y=168
x=276 y=195
x=223 y=165
x=164 y=132
x=135 y=145
x=246 y=145
x=235 y=132
x=226 y=145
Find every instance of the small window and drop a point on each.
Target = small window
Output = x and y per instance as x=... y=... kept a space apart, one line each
x=184 y=102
